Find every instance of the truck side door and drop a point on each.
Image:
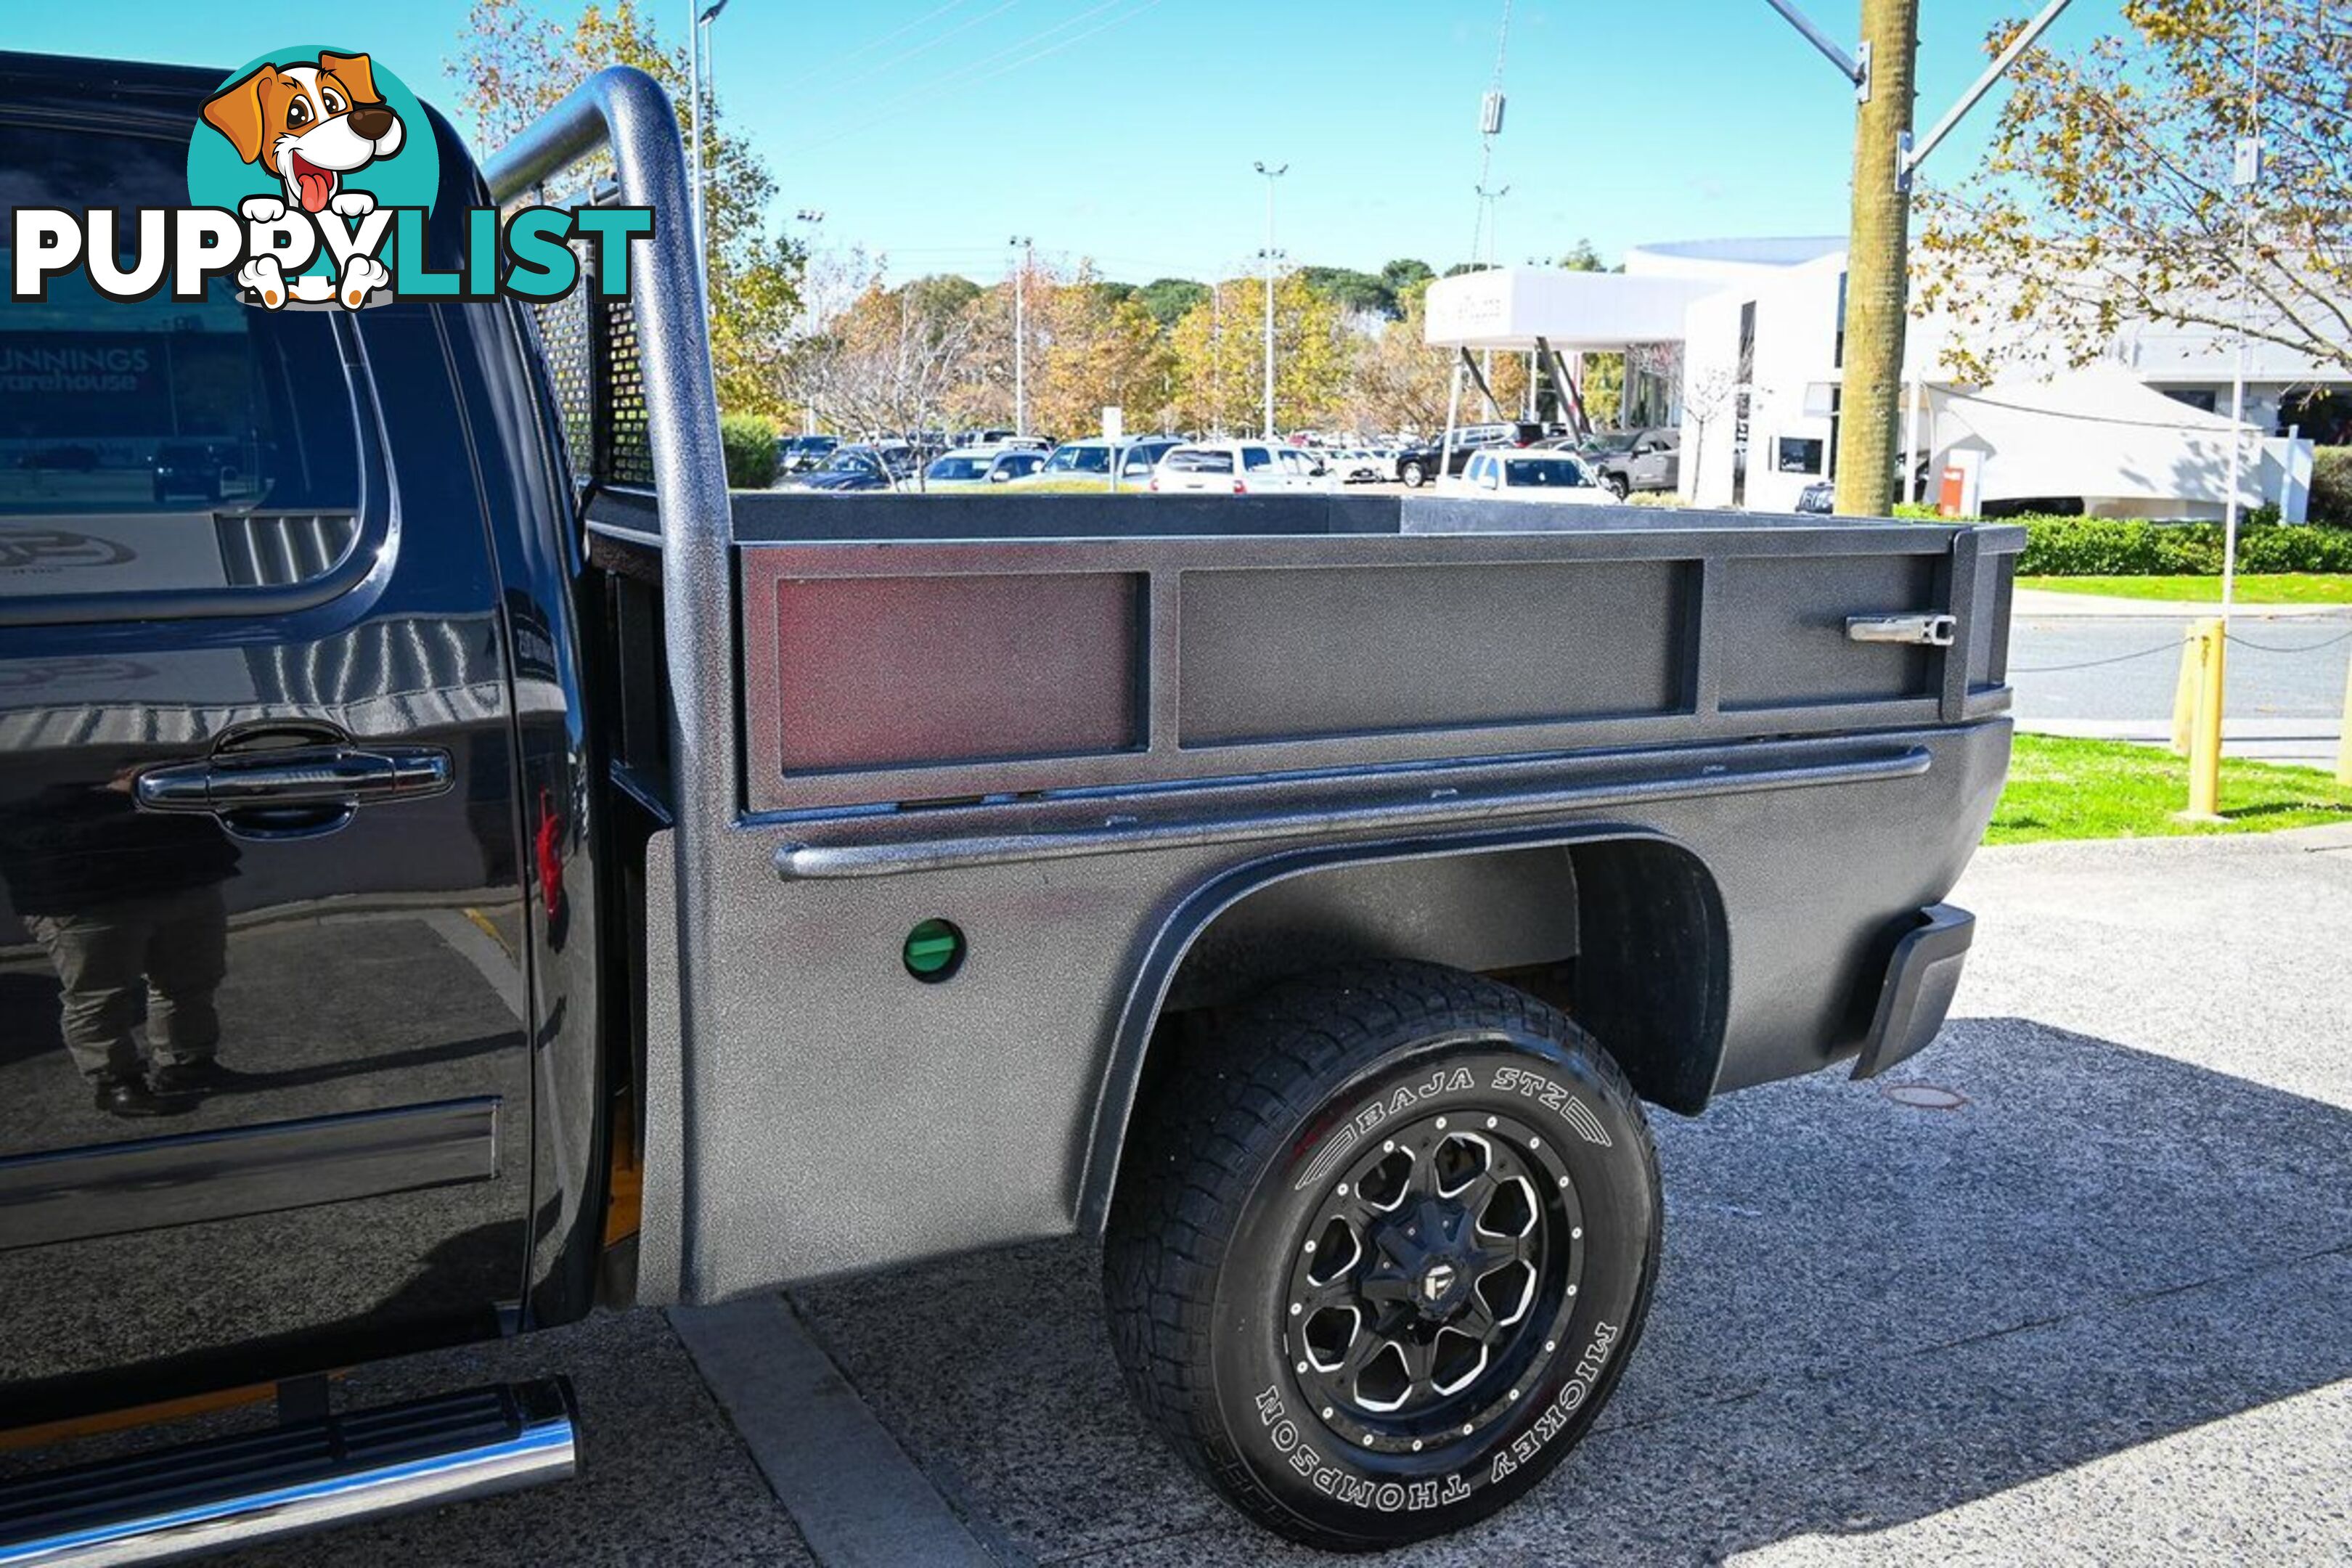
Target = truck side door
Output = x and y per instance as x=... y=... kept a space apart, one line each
x=264 y=1082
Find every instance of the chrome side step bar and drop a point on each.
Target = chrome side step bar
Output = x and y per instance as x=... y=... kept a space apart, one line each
x=227 y=1493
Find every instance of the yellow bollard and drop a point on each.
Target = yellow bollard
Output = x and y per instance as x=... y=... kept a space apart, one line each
x=2205 y=744
x=2184 y=690
x=2344 y=740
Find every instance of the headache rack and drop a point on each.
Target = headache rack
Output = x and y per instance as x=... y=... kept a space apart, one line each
x=641 y=411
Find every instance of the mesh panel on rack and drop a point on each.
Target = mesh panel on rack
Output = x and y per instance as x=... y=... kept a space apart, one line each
x=591 y=359
x=627 y=448
x=565 y=341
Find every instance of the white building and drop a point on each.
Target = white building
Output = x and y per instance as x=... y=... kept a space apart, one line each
x=1751 y=372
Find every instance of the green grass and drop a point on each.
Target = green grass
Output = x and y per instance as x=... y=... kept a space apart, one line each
x=2065 y=788
x=2253 y=588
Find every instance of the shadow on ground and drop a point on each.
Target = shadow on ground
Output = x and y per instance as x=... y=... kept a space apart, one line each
x=1868 y=1314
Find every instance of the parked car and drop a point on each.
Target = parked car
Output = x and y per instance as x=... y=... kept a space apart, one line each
x=1820 y=497
x=1418 y=465
x=977 y=468
x=1630 y=460
x=1303 y=468
x=1143 y=454
x=1508 y=474
x=799 y=454
x=1234 y=467
x=1359 y=465
x=853 y=469
x=1079 y=459
x=1297 y=906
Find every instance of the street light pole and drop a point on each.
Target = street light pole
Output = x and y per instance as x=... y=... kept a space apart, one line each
x=811 y=216
x=1024 y=245
x=1270 y=254
x=702 y=77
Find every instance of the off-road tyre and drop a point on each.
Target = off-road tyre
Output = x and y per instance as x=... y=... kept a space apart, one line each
x=1284 y=1128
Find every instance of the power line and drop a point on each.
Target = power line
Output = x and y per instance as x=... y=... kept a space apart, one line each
x=833 y=88
x=832 y=62
x=974 y=72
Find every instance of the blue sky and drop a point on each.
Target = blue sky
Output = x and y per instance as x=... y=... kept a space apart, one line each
x=932 y=130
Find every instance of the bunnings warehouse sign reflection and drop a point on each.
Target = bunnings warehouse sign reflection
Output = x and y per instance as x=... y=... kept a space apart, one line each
x=117 y=384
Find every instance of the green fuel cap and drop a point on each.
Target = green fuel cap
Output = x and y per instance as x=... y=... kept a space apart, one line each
x=934 y=951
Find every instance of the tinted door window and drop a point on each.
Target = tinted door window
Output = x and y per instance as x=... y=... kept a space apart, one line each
x=161 y=445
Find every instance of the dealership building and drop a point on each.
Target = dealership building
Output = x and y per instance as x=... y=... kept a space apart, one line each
x=1739 y=342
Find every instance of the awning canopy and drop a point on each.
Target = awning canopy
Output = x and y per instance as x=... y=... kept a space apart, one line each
x=2098 y=433
x=1508 y=307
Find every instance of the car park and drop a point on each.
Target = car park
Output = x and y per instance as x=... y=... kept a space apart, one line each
x=612 y=888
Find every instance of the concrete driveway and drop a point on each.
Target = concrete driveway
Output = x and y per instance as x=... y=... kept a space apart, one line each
x=2074 y=1286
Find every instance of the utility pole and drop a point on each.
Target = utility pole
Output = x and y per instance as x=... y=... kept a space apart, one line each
x=1877 y=263
x=1270 y=255
x=1025 y=245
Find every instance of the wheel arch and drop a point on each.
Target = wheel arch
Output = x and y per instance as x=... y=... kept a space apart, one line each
x=1650 y=950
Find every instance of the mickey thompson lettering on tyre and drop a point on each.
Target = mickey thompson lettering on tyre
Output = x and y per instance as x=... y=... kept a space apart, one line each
x=1393 y=1497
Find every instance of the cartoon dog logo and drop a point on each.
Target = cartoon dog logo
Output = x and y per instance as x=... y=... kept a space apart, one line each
x=310 y=125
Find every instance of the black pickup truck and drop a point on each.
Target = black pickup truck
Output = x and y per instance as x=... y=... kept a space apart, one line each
x=475 y=871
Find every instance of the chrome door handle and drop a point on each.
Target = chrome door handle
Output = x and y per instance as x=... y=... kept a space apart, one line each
x=1922 y=631
x=344 y=776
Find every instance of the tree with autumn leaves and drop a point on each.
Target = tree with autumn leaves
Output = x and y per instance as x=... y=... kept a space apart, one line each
x=2107 y=194
x=515 y=63
x=1219 y=346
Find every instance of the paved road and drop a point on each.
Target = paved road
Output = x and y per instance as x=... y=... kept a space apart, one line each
x=2113 y=677
x=2100 y=1312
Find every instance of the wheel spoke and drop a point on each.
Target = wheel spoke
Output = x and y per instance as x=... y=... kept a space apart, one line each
x=1420 y=1360
x=1384 y=1284
x=1336 y=1293
x=1475 y=1193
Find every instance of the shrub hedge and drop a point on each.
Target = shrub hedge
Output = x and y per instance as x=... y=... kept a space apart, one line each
x=2126 y=547
x=750 y=443
x=2331 y=485
x=2114 y=547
